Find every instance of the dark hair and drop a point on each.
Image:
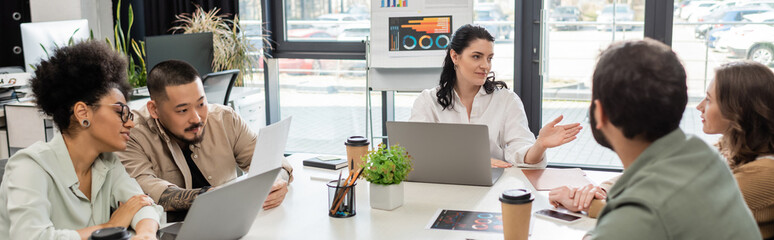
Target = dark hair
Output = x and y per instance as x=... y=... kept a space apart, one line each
x=460 y=41
x=84 y=72
x=641 y=85
x=745 y=94
x=169 y=73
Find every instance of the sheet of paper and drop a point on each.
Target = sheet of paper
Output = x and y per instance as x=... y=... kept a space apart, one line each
x=549 y=178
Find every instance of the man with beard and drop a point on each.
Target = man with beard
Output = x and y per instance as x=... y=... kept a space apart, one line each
x=674 y=185
x=181 y=146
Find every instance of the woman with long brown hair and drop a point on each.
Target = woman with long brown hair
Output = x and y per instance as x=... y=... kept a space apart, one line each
x=739 y=105
x=469 y=93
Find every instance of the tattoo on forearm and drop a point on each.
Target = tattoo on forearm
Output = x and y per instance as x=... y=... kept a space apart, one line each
x=176 y=199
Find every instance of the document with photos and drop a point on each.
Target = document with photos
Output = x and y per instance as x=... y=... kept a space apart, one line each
x=467 y=221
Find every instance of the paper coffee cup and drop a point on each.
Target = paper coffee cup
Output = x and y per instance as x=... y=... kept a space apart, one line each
x=517 y=211
x=357 y=147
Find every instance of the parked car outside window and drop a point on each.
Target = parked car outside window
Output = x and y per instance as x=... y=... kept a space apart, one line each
x=606 y=19
x=565 y=14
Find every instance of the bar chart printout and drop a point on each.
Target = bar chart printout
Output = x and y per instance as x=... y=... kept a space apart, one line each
x=419 y=33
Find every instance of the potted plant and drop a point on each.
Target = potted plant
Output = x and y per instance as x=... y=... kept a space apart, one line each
x=230 y=44
x=385 y=168
x=137 y=71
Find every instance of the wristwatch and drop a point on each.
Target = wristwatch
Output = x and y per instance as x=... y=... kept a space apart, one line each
x=204 y=189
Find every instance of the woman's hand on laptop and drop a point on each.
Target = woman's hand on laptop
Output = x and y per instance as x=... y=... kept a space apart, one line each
x=497 y=163
x=277 y=194
x=553 y=135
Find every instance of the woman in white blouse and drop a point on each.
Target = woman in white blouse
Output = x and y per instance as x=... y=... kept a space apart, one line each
x=468 y=94
x=66 y=188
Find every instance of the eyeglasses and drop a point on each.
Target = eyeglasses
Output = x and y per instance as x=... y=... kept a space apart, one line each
x=125 y=113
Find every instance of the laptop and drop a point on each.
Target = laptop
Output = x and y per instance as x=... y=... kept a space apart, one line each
x=226 y=212
x=448 y=153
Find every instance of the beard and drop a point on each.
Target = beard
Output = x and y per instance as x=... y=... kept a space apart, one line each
x=194 y=140
x=598 y=135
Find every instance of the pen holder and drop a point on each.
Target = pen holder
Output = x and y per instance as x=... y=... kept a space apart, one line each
x=341 y=200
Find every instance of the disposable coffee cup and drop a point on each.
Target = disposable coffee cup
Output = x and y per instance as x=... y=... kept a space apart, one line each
x=113 y=233
x=517 y=211
x=357 y=147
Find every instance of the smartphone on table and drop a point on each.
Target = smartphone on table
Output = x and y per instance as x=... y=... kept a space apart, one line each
x=551 y=214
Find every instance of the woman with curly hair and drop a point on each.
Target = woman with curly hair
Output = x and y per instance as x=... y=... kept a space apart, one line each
x=469 y=93
x=66 y=188
x=740 y=105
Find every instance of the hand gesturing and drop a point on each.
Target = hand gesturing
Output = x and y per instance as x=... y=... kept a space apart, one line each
x=553 y=135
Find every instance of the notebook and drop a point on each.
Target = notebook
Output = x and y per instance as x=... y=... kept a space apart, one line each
x=327 y=164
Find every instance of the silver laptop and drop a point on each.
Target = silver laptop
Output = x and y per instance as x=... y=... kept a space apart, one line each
x=226 y=212
x=446 y=152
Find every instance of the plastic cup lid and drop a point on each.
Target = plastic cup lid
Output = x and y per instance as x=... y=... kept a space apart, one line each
x=110 y=233
x=356 y=141
x=517 y=196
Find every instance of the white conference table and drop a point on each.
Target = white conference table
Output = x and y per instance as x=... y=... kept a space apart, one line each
x=303 y=214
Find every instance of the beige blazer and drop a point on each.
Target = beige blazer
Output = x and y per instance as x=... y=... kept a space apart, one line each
x=156 y=161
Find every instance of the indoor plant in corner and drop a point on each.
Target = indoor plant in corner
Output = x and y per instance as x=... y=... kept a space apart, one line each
x=230 y=44
x=386 y=168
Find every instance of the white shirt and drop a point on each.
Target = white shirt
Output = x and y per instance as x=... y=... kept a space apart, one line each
x=501 y=111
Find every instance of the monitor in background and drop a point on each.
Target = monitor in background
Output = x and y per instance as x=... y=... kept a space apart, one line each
x=49 y=35
x=194 y=48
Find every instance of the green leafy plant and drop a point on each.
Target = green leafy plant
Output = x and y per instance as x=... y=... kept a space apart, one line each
x=137 y=72
x=387 y=165
x=230 y=44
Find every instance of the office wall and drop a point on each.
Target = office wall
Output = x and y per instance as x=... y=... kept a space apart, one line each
x=12 y=14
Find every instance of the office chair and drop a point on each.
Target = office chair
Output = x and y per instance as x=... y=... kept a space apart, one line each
x=218 y=85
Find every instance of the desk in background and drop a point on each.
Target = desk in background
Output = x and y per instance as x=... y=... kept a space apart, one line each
x=303 y=213
x=27 y=125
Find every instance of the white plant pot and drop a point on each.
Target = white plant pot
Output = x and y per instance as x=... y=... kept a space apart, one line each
x=386 y=197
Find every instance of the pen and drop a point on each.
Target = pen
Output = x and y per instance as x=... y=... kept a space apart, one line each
x=336 y=193
x=339 y=196
x=338 y=181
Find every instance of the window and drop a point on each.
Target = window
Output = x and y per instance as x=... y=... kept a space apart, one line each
x=326 y=20
x=251 y=106
x=327 y=101
x=706 y=39
x=252 y=26
x=498 y=18
x=574 y=36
